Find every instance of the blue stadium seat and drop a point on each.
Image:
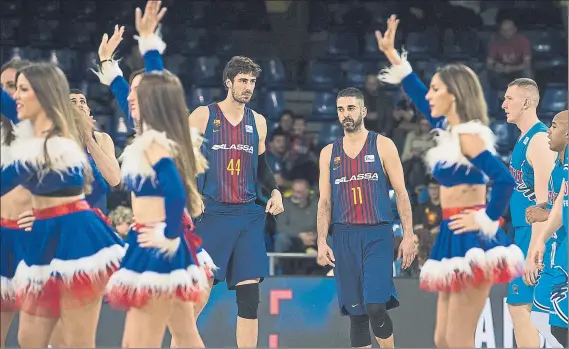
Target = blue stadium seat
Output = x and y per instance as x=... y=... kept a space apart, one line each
x=46 y=9
x=31 y=53
x=196 y=97
x=11 y=8
x=493 y=103
x=43 y=32
x=324 y=106
x=324 y=75
x=421 y=44
x=341 y=45
x=224 y=44
x=67 y=60
x=554 y=99
x=191 y=42
x=462 y=43
x=9 y=30
x=273 y=75
x=176 y=63
x=553 y=70
x=271 y=104
x=84 y=34
x=329 y=133
x=97 y=91
x=427 y=69
x=544 y=43
x=356 y=73
x=505 y=136
x=204 y=72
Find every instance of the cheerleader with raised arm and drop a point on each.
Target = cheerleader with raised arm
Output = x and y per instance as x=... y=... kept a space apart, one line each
x=471 y=252
x=160 y=271
x=71 y=252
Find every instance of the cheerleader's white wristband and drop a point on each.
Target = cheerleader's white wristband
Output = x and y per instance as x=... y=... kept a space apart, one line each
x=488 y=227
x=108 y=72
x=396 y=73
x=162 y=243
x=150 y=43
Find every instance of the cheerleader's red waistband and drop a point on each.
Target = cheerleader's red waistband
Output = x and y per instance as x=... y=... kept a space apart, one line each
x=62 y=210
x=448 y=213
x=9 y=223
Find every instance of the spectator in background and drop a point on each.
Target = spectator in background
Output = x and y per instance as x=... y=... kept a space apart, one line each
x=379 y=106
x=403 y=120
x=418 y=142
x=509 y=56
x=121 y=219
x=301 y=161
x=428 y=215
x=285 y=122
x=275 y=156
x=296 y=227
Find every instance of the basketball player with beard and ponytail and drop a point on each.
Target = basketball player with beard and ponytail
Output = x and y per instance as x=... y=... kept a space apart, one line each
x=232 y=225
x=354 y=203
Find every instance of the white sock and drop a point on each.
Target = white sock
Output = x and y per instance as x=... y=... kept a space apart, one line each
x=541 y=321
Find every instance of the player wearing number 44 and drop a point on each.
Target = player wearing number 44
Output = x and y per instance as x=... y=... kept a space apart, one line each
x=354 y=201
x=232 y=225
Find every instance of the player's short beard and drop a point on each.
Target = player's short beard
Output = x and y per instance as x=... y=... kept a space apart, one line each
x=239 y=99
x=355 y=126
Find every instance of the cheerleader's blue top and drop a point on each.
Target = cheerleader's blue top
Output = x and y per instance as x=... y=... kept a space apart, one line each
x=99 y=186
x=161 y=180
x=449 y=166
x=52 y=167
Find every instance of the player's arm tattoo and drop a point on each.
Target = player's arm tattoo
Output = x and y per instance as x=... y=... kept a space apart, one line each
x=405 y=211
x=323 y=219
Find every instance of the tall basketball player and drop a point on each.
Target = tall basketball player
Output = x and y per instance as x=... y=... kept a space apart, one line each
x=531 y=165
x=232 y=225
x=354 y=202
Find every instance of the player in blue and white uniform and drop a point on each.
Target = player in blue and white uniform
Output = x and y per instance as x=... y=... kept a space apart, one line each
x=541 y=309
x=531 y=164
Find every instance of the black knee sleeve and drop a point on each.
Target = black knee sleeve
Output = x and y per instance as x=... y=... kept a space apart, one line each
x=379 y=320
x=359 y=331
x=247 y=300
x=560 y=333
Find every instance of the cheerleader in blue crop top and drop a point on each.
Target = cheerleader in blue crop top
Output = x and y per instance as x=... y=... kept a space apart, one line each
x=160 y=272
x=471 y=252
x=71 y=252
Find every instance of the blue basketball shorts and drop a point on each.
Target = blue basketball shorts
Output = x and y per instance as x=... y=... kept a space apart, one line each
x=234 y=237
x=364 y=267
x=518 y=291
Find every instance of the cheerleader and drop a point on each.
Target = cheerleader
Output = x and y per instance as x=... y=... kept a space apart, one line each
x=158 y=266
x=160 y=274
x=471 y=252
x=100 y=151
x=151 y=46
x=15 y=207
x=71 y=252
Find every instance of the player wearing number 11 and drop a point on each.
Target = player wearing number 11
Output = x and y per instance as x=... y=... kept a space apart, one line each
x=354 y=201
x=232 y=225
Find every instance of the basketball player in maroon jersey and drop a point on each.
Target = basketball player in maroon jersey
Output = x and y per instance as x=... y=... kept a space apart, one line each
x=232 y=225
x=354 y=203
